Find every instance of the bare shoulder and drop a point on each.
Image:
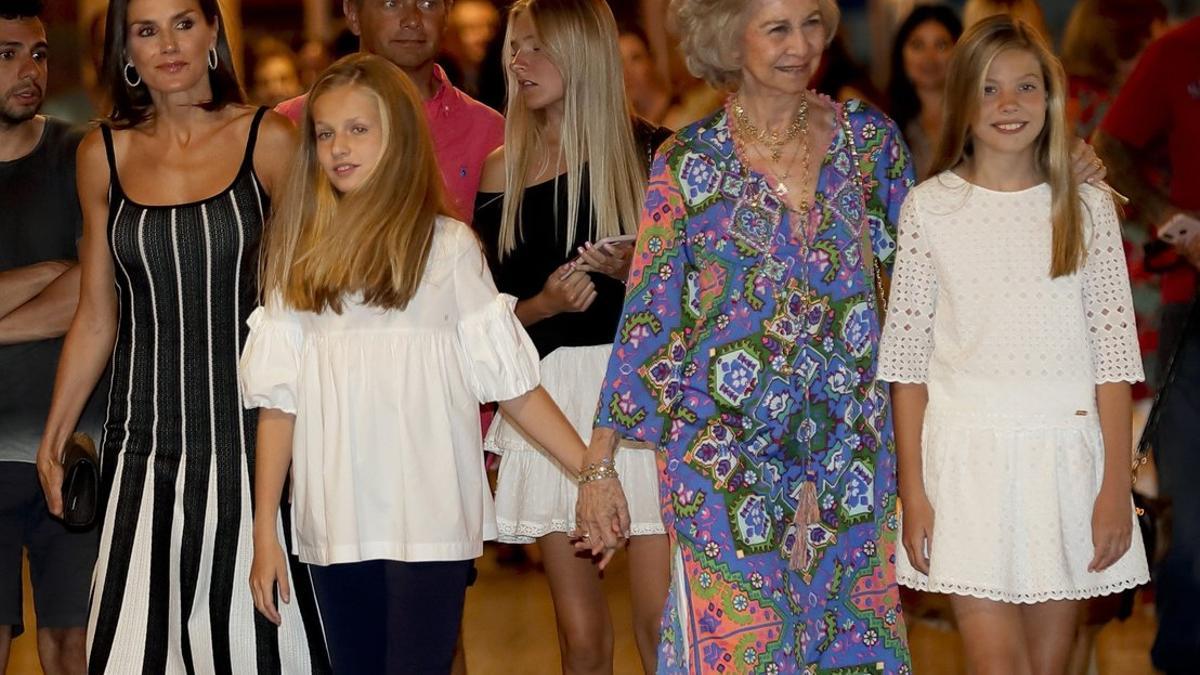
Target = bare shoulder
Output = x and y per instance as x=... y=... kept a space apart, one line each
x=274 y=150
x=491 y=178
x=277 y=133
x=91 y=161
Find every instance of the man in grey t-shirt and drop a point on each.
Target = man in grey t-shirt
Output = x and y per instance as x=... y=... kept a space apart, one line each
x=40 y=222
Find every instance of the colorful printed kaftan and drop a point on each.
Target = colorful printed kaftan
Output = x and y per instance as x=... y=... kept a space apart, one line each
x=749 y=358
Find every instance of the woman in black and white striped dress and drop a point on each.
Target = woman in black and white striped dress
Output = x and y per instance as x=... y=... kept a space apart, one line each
x=169 y=260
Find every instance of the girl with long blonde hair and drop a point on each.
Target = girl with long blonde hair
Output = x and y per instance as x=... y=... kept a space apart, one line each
x=1011 y=346
x=380 y=335
x=558 y=207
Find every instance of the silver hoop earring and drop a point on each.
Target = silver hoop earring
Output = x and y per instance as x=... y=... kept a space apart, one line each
x=212 y=58
x=128 y=81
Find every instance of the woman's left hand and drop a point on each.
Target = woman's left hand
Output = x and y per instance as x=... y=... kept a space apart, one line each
x=1112 y=527
x=1085 y=164
x=601 y=519
x=608 y=259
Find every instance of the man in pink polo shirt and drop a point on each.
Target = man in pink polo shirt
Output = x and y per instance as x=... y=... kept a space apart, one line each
x=409 y=34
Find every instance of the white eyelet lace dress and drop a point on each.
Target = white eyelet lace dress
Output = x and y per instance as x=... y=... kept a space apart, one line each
x=1011 y=447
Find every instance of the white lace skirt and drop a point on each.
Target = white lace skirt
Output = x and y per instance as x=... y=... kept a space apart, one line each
x=1012 y=501
x=534 y=494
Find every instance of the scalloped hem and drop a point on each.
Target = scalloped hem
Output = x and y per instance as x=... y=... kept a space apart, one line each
x=901 y=379
x=490 y=444
x=528 y=533
x=1119 y=379
x=918 y=584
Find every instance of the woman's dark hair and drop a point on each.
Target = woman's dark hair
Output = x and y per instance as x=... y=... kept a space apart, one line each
x=20 y=9
x=902 y=94
x=839 y=70
x=132 y=105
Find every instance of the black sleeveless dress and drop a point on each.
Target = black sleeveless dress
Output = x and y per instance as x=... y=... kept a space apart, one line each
x=171 y=589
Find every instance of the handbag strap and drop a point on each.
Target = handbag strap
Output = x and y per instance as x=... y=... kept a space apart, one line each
x=1142 y=451
x=867 y=251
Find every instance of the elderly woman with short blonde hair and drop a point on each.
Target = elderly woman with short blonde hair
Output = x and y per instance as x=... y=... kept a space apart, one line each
x=746 y=351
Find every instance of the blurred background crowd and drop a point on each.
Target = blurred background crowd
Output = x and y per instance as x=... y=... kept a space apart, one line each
x=284 y=44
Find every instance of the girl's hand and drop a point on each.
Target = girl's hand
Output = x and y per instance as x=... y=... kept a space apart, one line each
x=918 y=531
x=1085 y=165
x=568 y=290
x=608 y=259
x=1112 y=527
x=601 y=519
x=268 y=568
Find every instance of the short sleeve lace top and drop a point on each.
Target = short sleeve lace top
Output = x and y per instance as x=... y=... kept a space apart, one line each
x=975 y=314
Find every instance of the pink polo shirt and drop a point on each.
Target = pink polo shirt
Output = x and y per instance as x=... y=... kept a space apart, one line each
x=464 y=133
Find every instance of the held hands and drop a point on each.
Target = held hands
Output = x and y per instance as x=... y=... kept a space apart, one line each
x=1112 y=527
x=1085 y=165
x=609 y=259
x=601 y=519
x=568 y=289
x=918 y=531
x=268 y=568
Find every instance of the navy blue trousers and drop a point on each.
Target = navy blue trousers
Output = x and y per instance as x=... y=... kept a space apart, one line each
x=387 y=617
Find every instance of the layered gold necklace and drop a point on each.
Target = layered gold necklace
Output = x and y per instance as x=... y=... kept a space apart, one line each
x=775 y=143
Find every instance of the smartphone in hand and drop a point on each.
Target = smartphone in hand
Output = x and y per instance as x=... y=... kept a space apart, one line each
x=619 y=239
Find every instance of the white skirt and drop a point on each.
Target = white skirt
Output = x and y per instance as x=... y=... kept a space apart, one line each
x=535 y=495
x=1012 y=501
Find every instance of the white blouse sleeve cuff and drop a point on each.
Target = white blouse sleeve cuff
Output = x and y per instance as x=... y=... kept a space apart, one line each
x=499 y=359
x=270 y=363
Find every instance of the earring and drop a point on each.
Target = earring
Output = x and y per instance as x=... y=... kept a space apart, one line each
x=128 y=80
x=212 y=58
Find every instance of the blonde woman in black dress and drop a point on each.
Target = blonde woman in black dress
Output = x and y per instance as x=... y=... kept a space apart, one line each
x=571 y=175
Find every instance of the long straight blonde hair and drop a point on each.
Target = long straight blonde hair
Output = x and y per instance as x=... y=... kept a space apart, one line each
x=322 y=245
x=580 y=37
x=972 y=57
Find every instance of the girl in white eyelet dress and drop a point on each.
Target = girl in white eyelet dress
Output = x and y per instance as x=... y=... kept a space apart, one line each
x=1011 y=346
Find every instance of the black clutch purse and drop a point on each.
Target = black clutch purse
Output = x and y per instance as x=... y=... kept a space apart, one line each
x=81 y=481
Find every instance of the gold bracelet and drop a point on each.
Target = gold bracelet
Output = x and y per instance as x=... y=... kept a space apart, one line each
x=596 y=472
x=598 y=476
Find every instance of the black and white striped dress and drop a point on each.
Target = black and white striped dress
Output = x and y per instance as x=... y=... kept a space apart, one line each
x=170 y=592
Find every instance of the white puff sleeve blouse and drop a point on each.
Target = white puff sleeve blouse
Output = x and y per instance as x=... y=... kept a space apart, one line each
x=387 y=460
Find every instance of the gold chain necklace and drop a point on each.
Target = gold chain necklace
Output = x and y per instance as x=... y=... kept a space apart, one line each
x=772 y=140
x=781 y=187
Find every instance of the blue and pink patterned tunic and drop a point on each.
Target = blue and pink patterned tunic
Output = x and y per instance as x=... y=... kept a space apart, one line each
x=748 y=356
